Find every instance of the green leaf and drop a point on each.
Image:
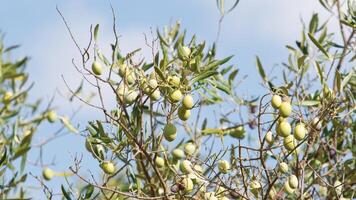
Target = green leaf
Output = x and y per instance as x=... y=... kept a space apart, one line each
x=160 y=73
x=233 y=75
x=338 y=80
x=317 y=44
x=96 y=29
x=161 y=38
x=309 y=103
x=3 y=158
x=313 y=25
x=146 y=67
x=346 y=80
x=320 y=72
x=260 y=69
x=203 y=76
x=89 y=191
x=20 y=151
x=65 y=193
x=221 y=6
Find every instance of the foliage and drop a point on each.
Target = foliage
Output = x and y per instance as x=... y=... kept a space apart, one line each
x=301 y=142
x=180 y=130
x=19 y=121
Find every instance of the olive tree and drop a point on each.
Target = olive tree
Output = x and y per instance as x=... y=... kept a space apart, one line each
x=20 y=119
x=159 y=140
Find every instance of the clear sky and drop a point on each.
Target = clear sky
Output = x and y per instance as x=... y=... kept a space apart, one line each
x=255 y=27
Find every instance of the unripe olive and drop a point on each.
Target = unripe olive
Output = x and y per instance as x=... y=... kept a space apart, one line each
x=186 y=167
x=285 y=109
x=238 y=133
x=174 y=80
x=183 y=113
x=27 y=133
x=285 y=129
x=287 y=188
x=293 y=181
x=47 y=174
x=51 y=116
x=170 y=132
x=299 y=131
x=194 y=178
x=123 y=70
x=189 y=149
x=272 y=193
x=323 y=191
x=187 y=184
x=255 y=184
x=108 y=167
x=255 y=187
x=317 y=123
x=131 y=96
x=146 y=88
x=283 y=167
x=153 y=83
x=131 y=78
x=155 y=96
x=338 y=187
x=276 y=101
x=178 y=154
x=269 y=137
x=122 y=89
x=188 y=102
x=199 y=169
x=186 y=51
x=223 y=166
x=281 y=119
x=289 y=142
x=97 y=68
x=175 y=96
x=159 y=162
x=7 y=96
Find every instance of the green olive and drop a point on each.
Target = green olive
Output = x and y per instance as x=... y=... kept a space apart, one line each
x=7 y=96
x=47 y=174
x=189 y=149
x=293 y=181
x=289 y=142
x=283 y=167
x=299 y=131
x=285 y=129
x=170 y=132
x=188 y=102
x=97 y=68
x=178 y=154
x=223 y=166
x=269 y=137
x=186 y=51
x=176 y=96
x=108 y=167
x=287 y=188
x=51 y=116
x=285 y=109
x=183 y=113
x=186 y=167
x=238 y=133
x=155 y=96
x=276 y=101
x=187 y=184
x=159 y=162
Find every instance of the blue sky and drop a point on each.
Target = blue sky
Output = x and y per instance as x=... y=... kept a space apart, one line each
x=255 y=27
